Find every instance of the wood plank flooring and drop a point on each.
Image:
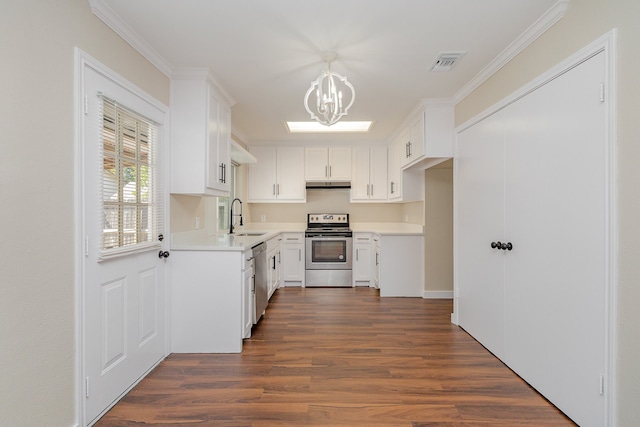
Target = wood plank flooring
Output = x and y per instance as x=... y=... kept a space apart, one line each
x=340 y=357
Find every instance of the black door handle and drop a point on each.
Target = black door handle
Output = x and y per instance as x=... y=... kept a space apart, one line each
x=502 y=246
x=163 y=254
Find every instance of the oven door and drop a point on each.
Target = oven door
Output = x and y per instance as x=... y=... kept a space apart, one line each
x=328 y=253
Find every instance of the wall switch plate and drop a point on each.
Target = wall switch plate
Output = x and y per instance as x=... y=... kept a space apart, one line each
x=263 y=218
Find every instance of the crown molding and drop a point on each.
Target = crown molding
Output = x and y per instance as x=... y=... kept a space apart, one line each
x=115 y=22
x=539 y=27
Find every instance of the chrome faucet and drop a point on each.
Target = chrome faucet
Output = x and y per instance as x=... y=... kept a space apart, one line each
x=231 y=214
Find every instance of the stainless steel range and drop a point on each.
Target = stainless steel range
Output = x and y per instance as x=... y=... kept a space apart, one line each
x=328 y=250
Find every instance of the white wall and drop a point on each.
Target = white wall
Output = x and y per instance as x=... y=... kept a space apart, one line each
x=37 y=211
x=337 y=200
x=584 y=22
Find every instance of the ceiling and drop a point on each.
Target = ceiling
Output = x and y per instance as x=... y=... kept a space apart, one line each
x=266 y=53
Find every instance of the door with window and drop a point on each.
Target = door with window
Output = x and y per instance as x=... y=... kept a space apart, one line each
x=123 y=301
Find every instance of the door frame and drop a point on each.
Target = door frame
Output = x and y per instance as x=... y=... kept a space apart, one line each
x=83 y=61
x=608 y=45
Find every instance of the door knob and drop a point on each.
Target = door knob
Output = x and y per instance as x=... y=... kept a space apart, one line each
x=508 y=247
x=163 y=254
x=494 y=245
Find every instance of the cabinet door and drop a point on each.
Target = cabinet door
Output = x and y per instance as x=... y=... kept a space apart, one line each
x=262 y=175
x=316 y=163
x=362 y=259
x=404 y=145
x=378 y=173
x=393 y=169
x=340 y=164
x=376 y=262
x=416 y=138
x=360 y=187
x=479 y=199
x=293 y=263
x=247 y=302
x=224 y=148
x=290 y=184
x=214 y=171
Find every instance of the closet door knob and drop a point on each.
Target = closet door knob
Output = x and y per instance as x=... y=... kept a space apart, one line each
x=509 y=246
x=494 y=245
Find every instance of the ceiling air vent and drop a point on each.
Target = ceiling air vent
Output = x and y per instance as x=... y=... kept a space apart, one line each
x=446 y=61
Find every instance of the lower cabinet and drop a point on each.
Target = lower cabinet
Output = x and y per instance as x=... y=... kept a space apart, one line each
x=401 y=261
x=376 y=261
x=208 y=308
x=293 y=259
x=363 y=258
x=248 y=293
x=274 y=262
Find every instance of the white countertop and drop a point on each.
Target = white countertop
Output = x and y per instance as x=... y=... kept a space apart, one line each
x=199 y=240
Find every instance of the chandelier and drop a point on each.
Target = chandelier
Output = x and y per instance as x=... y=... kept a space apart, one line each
x=331 y=92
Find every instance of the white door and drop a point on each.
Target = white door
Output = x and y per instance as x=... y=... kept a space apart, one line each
x=556 y=199
x=123 y=297
x=479 y=195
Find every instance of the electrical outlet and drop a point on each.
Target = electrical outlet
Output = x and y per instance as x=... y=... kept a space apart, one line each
x=197 y=223
x=263 y=218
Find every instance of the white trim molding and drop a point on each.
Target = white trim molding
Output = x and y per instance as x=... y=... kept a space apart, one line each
x=117 y=24
x=437 y=294
x=546 y=21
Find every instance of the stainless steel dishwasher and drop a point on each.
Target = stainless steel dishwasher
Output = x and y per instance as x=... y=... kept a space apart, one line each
x=260 y=285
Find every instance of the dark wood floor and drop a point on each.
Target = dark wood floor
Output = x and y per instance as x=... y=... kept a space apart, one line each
x=340 y=357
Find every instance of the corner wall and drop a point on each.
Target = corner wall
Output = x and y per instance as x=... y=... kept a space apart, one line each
x=438 y=229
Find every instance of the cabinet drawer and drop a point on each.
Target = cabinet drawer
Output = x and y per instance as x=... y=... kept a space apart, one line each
x=274 y=242
x=362 y=237
x=292 y=238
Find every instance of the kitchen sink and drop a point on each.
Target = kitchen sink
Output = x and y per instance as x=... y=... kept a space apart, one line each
x=250 y=233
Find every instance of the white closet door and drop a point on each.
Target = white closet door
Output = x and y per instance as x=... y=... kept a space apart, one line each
x=555 y=177
x=480 y=221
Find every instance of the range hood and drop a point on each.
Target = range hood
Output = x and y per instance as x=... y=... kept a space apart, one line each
x=328 y=185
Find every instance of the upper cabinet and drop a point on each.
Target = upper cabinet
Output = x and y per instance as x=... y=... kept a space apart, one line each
x=277 y=176
x=328 y=163
x=428 y=138
x=200 y=138
x=369 y=174
x=404 y=185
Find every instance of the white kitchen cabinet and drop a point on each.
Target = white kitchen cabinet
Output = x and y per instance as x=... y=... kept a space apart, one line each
x=369 y=174
x=327 y=163
x=200 y=138
x=248 y=287
x=428 y=138
x=534 y=177
x=277 y=176
x=207 y=301
x=404 y=185
x=376 y=261
x=401 y=263
x=293 y=259
x=363 y=258
x=274 y=262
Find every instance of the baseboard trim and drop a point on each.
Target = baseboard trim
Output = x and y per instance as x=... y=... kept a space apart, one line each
x=437 y=294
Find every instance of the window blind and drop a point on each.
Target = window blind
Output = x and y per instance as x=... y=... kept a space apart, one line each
x=131 y=188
